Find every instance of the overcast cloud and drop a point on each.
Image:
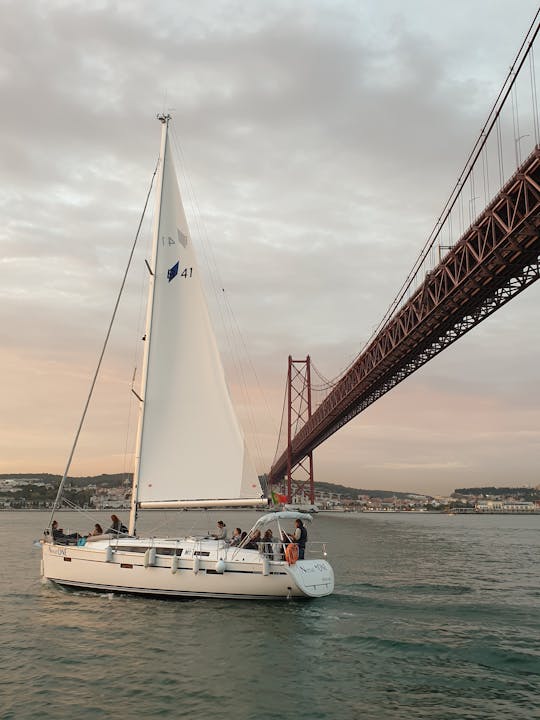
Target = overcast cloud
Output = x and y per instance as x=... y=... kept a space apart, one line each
x=320 y=140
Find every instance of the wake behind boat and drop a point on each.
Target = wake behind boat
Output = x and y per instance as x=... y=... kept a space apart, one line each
x=190 y=453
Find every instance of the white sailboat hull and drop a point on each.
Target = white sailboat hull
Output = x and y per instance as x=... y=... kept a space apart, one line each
x=204 y=569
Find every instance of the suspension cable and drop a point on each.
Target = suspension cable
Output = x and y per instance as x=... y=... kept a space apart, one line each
x=467 y=170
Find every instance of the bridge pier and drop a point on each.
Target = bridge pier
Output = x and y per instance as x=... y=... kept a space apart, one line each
x=299 y=475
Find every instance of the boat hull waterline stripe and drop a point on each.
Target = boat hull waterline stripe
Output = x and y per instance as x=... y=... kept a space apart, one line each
x=156 y=592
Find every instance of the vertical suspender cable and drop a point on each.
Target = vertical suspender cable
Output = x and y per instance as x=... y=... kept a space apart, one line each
x=500 y=152
x=534 y=97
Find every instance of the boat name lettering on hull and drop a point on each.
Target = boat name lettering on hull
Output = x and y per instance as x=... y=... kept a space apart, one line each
x=316 y=567
x=57 y=551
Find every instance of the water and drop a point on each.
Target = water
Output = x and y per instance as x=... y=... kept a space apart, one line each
x=434 y=616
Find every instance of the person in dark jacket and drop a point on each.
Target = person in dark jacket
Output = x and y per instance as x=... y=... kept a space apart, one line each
x=61 y=538
x=300 y=538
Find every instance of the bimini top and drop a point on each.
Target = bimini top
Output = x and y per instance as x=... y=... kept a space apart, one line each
x=283 y=515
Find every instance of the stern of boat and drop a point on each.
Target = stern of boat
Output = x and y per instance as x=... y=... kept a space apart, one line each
x=314 y=578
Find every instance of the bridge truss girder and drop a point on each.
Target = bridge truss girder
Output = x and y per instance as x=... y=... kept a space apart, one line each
x=495 y=260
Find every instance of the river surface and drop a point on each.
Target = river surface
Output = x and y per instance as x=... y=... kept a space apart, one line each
x=433 y=616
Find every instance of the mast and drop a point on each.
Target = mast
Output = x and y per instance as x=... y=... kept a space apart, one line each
x=164 y=119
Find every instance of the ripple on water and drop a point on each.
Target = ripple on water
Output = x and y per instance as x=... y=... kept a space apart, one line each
x=430 y=619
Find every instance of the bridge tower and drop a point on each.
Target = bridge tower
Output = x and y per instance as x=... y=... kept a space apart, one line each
x=300 y=486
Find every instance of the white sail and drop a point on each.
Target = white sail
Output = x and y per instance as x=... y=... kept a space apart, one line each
x=192 y=450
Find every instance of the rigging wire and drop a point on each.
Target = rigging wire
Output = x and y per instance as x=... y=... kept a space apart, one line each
x=246 y=354
x=79 y=510
x=225 y=312
x=103 y=349
x=136 y=360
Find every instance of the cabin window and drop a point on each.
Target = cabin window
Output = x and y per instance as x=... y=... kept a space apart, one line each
x=203 y=553
x=131 y=548
x=169 y=551
x=126 y=565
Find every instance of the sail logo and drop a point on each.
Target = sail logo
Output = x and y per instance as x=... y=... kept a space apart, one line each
x=173 y=272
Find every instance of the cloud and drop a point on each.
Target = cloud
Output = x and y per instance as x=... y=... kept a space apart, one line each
x=317 y=142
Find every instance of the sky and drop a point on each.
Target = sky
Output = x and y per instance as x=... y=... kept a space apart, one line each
x=319 y=141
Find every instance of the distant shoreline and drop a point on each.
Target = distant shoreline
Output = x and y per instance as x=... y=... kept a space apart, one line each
x=525 y=513
x=60 y=510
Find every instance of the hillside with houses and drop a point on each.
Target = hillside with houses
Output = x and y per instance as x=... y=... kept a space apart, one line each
x=113 y=491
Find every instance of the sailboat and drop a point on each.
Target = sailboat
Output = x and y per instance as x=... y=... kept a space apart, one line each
x=190 y=453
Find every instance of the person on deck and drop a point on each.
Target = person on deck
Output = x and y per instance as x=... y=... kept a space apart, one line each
x=116 y=526
x=61 y=538
x=221 y=533
x=57 y=532
x=300 y=538
x=236 y=537
x=268 y=547
x=254 y=540
x=98 y=530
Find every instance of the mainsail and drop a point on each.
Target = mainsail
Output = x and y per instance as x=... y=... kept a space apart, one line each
x=191 y=447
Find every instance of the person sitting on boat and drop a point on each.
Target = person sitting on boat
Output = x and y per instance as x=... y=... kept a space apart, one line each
x=268 y=547
x=236 y=537
x=221 y=533
x=60 y=537
x=98 y=530
x=57 y=532
x=253 y=540
x=300 y=538
x=117 y=527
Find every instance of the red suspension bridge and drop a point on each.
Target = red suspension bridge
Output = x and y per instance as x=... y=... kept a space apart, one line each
x=490 y=261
